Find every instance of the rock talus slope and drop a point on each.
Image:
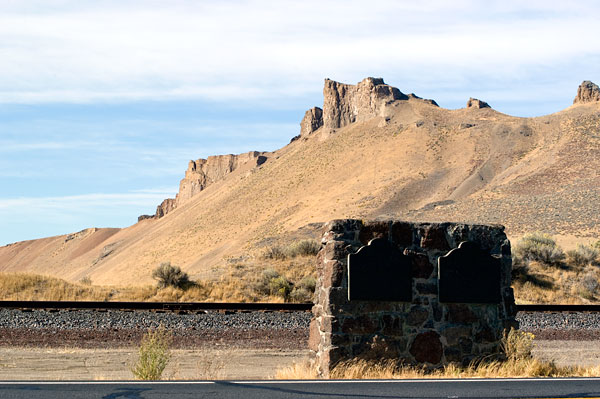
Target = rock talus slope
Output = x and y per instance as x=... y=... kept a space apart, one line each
x=372 y=153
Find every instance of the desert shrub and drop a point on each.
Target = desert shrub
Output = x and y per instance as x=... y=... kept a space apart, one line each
x=538 y=247
x=154 y=354
x=304 y=290
x=86 y=280
x=303 y=248
x=275 y=252
x=280 y=286
x=273 y=283
x=588 y=286
x=263 y=284
x=517 y=345
x=170 y=276
x=298 y=248
x=583 y=255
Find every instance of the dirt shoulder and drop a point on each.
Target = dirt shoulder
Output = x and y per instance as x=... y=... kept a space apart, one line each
x=18 y=363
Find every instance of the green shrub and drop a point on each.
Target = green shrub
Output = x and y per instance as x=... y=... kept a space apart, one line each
x=583 y=255
x=539 y=247
x=517 y=345
x=304 y=290
x=275 y=252
x=170 y=276
x=263 y=284
x=298 y=248
x=280 y=286
x=588 y=286
x=303 y=248
x=154 y=354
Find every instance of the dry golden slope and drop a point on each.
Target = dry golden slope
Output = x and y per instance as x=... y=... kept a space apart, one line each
x=526 y=173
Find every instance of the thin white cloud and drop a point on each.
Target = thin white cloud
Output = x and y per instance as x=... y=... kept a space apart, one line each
x=247 y=50
x=76 y=203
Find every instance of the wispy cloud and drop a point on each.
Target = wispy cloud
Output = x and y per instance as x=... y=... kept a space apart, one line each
x=248 y=50
x=34 y=217
x=97 y=201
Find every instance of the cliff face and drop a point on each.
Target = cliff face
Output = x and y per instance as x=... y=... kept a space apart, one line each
x=344 y=103
x=313 y=119
x=587 y=92
x=203 y=172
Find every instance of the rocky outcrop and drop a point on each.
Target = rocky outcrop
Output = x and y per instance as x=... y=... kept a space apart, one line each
x=165 y=207
x=203 y=172
x=144 y=217
x=313 y=119
x=587 y=92
x=426 y=100
x=475 y=103
x=344 y=103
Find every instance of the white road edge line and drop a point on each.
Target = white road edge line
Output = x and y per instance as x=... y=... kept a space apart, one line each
x=275 y=382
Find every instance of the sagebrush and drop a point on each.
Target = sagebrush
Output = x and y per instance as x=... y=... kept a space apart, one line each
x=154 y=354
x=168 y=275
x=538 y=247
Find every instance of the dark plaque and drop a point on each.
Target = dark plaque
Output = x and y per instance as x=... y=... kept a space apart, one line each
x=379 y=272
x=469 y=275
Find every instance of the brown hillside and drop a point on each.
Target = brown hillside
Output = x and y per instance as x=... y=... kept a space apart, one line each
x=371 y=152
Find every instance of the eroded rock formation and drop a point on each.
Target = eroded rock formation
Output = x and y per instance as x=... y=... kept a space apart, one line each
x=344 y=103
x=475 y=103
x=587 y=92
x=203 y=172
x=313 y=119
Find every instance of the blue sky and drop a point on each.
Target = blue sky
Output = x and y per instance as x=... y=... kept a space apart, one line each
x=102 y=103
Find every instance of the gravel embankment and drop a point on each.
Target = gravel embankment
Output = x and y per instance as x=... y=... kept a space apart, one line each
x=285 y=330
x=561 y=325
x=89 y=328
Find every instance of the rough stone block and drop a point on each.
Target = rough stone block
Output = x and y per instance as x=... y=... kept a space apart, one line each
x=453 y=334
x=402 y=234
x=314 y=336
x=334 y=250
x=417 y=316
x=333 y=273
x=433 y=236
x=372 y=230
x=427 y=348
x=460 y=313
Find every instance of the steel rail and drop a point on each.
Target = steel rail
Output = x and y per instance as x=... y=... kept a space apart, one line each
x=229 y=306
x=156 y=306
x=558 y=308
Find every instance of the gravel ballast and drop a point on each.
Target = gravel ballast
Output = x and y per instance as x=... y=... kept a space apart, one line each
x=89 y=328
x=109 y=329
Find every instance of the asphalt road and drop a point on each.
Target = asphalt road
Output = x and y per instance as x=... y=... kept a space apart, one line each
x=460 y=388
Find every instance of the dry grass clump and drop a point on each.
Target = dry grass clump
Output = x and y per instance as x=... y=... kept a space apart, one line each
x=33 y=287
x=305 y=370
x=298 y=248
x=583 y=255
x=517 y=362
x=154 y=354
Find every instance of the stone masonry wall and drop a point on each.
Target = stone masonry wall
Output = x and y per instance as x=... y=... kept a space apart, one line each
x=423 y=331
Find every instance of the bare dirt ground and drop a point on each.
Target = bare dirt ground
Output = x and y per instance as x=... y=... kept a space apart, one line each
x=225 y=362
x=115 y=364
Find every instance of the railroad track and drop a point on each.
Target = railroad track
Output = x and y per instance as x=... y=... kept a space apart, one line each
x=157 y=306
x=227 y=306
